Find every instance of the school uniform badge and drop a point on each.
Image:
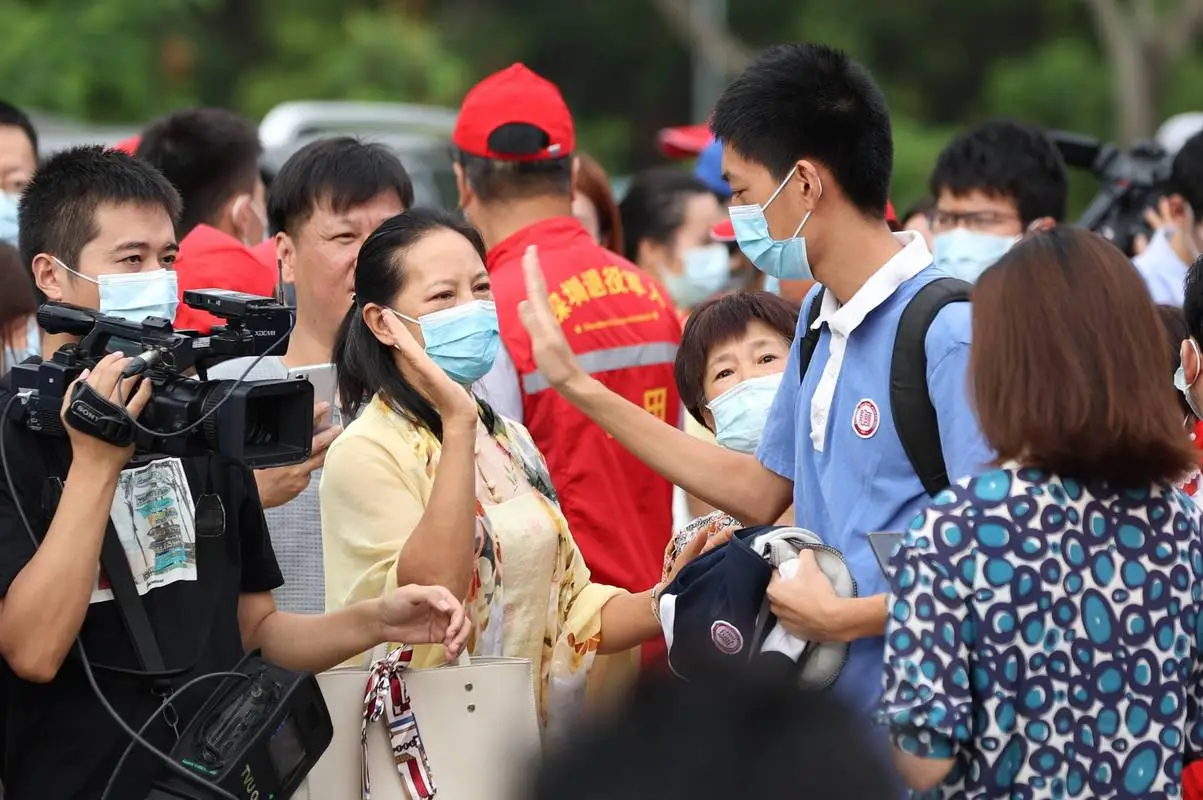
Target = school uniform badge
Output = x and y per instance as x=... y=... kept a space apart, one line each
x=866 y=419
x=726 y=637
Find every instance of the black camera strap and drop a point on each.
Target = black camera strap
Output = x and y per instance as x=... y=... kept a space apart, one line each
x=121 y=582
x=210 y=527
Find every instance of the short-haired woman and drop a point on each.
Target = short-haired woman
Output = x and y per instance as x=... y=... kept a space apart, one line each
x=728 y=367
x=1045 y=619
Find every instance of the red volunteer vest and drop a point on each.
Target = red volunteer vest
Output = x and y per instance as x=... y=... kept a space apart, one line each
x=623 y=329
x=210 y=259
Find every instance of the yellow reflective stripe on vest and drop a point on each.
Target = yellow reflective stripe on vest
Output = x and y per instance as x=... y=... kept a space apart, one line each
x=636 y=355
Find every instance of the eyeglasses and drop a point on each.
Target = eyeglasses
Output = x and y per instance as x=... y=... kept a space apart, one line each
x=943 y=221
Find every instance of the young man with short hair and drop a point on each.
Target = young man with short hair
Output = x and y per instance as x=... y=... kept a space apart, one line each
x=211 y=156
x=990 y=185
x=326 y=199
x=808 y=153
x=515 y=170
x=90 y=216
x=1178 y=239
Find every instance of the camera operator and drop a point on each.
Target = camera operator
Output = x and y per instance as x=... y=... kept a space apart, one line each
x=97 y=228
x=1177 y=227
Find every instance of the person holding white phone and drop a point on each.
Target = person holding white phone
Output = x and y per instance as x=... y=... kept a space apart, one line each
x=323 y=204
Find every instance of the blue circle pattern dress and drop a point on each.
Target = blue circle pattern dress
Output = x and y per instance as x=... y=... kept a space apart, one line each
x=1046 y=635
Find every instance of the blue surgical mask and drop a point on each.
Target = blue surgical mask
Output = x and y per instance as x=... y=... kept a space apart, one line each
x=8 y=218
x=707 y=271
x=462 y=340
x=1185 y=388
x=134 y=296
x=966 y=254
x=741 y=412
x=784 y=259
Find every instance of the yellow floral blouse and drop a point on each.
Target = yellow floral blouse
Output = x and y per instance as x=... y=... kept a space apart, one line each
x=530 y=596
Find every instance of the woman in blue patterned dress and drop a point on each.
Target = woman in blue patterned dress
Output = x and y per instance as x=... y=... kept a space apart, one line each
x=1044 y=640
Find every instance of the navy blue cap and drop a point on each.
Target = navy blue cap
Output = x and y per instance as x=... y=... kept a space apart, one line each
x=716 y=608
x=712 y=607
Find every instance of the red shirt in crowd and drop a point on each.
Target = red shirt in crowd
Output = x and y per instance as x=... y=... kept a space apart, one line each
x=210 y=259
x=622 y=327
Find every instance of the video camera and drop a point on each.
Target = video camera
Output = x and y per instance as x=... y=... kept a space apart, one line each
x=259 y=423
x=256 y=737
x=1130 y=182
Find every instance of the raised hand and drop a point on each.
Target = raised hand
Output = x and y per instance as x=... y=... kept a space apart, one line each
x=452 y=401
x=550 y=349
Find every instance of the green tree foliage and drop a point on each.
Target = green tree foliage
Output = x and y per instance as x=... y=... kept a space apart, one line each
x=622 y=65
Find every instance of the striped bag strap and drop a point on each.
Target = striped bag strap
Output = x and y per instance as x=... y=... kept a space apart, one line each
x=387 y=696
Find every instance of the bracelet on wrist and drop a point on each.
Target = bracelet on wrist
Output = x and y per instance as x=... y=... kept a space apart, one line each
x=656 y=590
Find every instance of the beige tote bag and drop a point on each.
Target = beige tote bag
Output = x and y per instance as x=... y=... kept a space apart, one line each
x=467 y=731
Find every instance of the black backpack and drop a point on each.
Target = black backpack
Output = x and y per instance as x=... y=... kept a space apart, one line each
x=914 y=415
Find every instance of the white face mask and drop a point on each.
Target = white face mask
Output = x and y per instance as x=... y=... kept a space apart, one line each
x=262 y=221
x=707 y=272
x=134 y=296
x=1187 y=388
x=740 y=413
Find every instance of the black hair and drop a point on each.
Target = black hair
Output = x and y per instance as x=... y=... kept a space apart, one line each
x=740 y=732
x=811 y=101
x=1186 y=174
x=209 y=154
x=1192 y=300
x=365 y=366
x=14 y=117
x=654 y=206
x=57 y=214
x=502 y=181
x=342 y=171
x=1010 y=160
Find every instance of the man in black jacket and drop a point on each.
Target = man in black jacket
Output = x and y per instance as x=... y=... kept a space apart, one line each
x=97 y=228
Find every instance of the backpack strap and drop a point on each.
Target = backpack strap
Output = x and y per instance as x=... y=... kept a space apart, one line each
x=810 y=341
x=914 y=415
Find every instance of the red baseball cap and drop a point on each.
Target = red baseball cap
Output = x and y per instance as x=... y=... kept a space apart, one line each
x=129 y=145
x=723 y=231
x=684 y=141
x=514 y=96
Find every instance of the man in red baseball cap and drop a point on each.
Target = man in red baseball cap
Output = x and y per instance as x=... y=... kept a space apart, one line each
x=515 y=173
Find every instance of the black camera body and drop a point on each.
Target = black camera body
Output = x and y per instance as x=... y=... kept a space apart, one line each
x=258 y=423
x=256 y=737
x=1130 y=182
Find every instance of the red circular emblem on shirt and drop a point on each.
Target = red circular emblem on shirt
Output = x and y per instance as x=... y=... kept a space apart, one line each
x=866 y=419
x=726 y=637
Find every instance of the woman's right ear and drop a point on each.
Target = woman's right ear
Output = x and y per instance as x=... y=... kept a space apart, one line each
x=373 y=319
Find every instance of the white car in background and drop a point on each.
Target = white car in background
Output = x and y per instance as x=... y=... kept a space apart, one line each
x=420 y=136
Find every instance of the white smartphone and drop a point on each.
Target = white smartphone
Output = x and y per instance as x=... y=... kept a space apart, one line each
x=325 y=384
